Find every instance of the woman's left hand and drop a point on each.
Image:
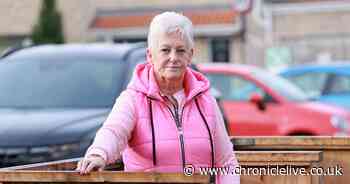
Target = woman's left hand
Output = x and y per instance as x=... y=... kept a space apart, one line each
x=88 y=163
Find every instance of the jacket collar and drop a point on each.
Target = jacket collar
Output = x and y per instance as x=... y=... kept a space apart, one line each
x=144 y=81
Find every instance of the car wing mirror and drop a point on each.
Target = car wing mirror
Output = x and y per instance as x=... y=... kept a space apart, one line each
x=258 y=100
x=255 y=98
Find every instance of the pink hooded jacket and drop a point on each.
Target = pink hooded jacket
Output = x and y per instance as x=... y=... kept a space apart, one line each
x=198 y=137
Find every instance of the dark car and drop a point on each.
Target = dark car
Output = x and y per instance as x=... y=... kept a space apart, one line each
x=54 y=97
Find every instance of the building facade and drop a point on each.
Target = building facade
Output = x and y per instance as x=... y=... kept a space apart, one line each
x=217 y=25
x=280 y=33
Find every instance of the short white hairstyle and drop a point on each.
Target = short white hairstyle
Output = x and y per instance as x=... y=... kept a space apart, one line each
x=170 y=22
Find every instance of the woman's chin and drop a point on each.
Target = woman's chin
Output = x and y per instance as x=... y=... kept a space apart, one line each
x=174 y=76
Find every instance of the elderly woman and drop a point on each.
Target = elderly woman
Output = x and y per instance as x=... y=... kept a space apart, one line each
x=166 y=118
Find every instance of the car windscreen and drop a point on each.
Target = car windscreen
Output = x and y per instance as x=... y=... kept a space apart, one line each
x=282 y=86
x=56 y=82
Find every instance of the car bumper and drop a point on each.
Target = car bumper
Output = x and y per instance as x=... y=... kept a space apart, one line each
x=20 y=156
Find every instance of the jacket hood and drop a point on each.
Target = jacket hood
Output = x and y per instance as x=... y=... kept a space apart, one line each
x=143 y=81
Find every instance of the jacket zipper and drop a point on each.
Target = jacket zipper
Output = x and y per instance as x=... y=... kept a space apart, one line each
x=178 y=122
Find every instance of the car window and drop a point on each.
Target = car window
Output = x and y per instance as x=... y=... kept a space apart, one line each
x=311 y=83
x=134 y=59
x=340 y=84
x=234 y=87
x=280 y=85
x=58 y=82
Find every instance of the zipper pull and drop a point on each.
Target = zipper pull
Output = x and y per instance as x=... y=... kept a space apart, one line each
x=179 y=129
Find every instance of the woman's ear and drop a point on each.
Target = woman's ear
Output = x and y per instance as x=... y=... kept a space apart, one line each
x=149 y=55
x=191 y=56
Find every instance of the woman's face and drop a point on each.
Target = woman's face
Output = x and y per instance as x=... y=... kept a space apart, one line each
x=170 y=56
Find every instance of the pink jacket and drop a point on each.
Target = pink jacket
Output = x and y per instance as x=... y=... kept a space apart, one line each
x=196 y=139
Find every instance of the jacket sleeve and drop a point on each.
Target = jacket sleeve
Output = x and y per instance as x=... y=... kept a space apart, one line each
x=224 y=155
x=111 y=139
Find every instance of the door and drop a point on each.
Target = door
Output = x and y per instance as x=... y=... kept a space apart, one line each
x=244 y=117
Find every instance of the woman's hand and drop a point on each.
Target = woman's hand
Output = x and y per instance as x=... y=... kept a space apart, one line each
x=90 y=162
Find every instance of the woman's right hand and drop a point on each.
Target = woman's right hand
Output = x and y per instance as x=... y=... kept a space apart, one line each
x=90 y=162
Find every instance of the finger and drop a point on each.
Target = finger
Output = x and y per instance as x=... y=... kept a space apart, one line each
x=101 y=168
x=84 y=165
x=102 y=164
x=78 y=166
x=90 y=167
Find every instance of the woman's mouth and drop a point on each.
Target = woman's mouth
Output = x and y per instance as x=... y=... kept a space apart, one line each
x=173 y=67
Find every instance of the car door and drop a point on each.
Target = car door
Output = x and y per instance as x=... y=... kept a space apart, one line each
x=244 y=117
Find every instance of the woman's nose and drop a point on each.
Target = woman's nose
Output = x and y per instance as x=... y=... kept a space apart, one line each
x=173 y=56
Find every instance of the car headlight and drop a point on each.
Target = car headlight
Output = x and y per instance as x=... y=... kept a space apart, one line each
x=339 y=123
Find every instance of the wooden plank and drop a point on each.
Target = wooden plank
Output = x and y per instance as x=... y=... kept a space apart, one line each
x=279 y=156
x=99 y=177
x=291 y=142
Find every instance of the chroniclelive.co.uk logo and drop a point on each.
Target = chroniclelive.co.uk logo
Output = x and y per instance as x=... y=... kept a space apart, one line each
x=272 y=170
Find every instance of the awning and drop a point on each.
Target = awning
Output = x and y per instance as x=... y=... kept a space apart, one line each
x=214 y=20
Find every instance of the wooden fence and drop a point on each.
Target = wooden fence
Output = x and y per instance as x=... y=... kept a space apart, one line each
x=255 y=154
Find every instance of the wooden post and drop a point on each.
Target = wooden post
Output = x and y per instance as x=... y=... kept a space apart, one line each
x=335 y=151
x=288 y=161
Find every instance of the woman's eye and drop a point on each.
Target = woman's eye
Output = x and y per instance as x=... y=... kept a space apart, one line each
x=165 y=50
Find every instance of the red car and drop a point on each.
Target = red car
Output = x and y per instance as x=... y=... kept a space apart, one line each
x=256 y=102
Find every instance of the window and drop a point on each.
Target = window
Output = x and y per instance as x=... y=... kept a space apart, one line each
x=340 y=84
x=280 y=85
x=220 y=49
x=234 y=87
x=61 y=82
x=134 y=59
x=311 y=83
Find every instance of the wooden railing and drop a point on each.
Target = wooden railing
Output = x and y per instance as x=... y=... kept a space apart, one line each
x=253 y=153
x=63 y=171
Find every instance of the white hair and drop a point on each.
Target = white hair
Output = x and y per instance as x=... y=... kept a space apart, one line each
x=170 y=22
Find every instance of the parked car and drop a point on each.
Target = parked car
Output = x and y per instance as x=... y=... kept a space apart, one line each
x=328 y=83
x=54 y=98
x=259 y=103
